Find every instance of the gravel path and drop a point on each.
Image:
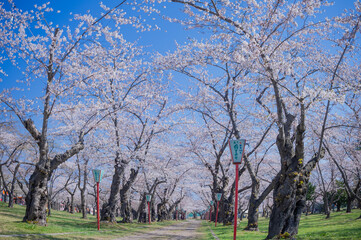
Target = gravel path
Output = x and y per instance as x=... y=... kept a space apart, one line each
x=182 y=230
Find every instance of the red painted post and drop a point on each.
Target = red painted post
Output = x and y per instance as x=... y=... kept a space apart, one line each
x=148 y=213
x=236 y=206
x=217 y=213
x=98 y=214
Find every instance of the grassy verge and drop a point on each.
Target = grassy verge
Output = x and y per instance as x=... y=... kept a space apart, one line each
x=341 y=225
x=63 y=222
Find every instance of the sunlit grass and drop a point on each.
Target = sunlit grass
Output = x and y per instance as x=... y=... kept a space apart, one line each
x=63 y=222
x=341 y=225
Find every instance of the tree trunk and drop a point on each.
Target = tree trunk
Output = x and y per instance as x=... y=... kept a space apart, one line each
x=11 y=193
x=254 y=204
x=252 y=217
x=83 y=204
x=161 y=212
x=142 y=213
x=71 y=203
x=84 y=172
x=152 y=211
x=349 y=204
x=108 y=211
x=37 y=199
x=326 y=205
x=125 y=209
x=255 y=200
x=227 y=209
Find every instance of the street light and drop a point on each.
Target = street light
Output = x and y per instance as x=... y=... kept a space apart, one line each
x=98 y=174
x=218 y=197
x=237 y=151
x=149 y=198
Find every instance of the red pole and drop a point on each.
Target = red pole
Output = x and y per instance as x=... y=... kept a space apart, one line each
x=217 y=213
x=98 y=214
x=148 y=213
x=236 y=206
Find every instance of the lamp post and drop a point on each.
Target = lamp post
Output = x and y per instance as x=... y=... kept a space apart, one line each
x=218 y=197
x=149 y=198
x=98 y=174
x=237 y=150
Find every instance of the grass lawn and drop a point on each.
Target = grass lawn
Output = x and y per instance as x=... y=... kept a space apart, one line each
x=63 y=222
x=341 y=225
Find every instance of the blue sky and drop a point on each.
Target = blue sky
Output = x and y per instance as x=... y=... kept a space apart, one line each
x=161 y=40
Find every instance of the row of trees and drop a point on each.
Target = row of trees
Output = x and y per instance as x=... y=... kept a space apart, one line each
x=276 y=73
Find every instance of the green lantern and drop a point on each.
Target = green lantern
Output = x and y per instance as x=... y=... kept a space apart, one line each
x=218 y=196
x=148 y=197
x=98 y=174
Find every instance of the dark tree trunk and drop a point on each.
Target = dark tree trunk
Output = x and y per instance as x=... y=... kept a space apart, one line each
x=152 y=211
x=82 y=187
x=108 y=211
x=227 y=209
x=349 y=204
x=83 y=204
x=11 y=192
x=72 y=203
x=142 y=213
x=255 y=200
x=37 y=199
x=162 y=212
x=125 y=209
x=252 y=218
x=289 y=194
x=124 y=198
x=254 y=204
x=326 y=206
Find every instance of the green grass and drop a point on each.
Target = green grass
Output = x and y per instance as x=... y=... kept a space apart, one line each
x=341 y=225
x=63 y=222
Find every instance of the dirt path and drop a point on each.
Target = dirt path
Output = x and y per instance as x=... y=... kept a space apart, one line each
x=182 y=230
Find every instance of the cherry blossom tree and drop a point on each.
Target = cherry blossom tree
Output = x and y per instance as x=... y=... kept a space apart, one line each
x=49 y=54
x=282 y=51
